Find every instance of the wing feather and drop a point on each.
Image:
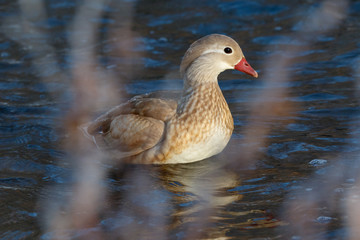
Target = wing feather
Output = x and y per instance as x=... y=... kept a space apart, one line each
x=132 y=127
x=131 y=134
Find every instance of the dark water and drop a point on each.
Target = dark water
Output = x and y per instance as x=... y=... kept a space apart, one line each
x=302 y=151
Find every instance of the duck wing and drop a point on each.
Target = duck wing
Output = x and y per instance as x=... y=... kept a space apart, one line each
x=132 y=127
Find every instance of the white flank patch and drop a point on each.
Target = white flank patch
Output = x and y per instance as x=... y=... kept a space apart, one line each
x=214 y=145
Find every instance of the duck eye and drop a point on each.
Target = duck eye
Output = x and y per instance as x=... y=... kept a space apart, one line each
x=227 y=50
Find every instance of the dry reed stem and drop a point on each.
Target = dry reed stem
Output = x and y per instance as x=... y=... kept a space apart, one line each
x=301 y=208
x=87 y=83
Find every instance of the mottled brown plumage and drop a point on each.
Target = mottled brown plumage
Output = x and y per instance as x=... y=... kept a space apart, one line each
x=152 y=130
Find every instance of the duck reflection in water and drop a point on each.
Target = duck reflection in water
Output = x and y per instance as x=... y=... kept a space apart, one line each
x=188 y=198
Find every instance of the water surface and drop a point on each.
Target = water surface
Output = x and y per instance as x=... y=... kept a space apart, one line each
x=193 y=201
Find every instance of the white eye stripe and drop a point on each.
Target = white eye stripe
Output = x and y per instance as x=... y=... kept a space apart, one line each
x=215 y=51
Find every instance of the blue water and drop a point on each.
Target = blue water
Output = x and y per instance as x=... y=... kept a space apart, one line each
x=37 y=170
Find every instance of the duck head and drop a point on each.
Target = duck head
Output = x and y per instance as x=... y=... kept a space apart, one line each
x=207 y=57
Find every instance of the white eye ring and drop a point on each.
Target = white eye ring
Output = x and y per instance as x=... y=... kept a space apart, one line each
x=228 y=50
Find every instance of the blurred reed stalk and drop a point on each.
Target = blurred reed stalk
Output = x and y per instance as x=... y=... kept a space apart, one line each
x=303 y=208
x=92 y=85
x=271 y=101
x=352 y=202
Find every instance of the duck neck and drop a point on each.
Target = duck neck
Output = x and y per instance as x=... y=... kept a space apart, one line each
x=194 y=84
x=201 y=71
x=200 y=95
x=201 y=85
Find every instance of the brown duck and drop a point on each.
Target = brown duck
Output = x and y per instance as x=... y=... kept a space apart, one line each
x=151 y=130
